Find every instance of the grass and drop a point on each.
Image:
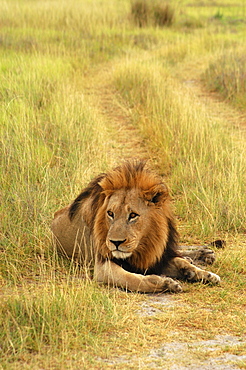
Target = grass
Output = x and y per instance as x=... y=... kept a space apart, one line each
x=145 y=13
x=226 y=75
x=54 y=139
x=45 y=128
x=32 y=319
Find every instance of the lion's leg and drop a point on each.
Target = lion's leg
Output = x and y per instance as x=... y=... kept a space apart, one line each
x=181 y=268
x=198 y=254
x=112 y=274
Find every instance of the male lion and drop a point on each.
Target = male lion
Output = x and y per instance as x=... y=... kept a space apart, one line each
x=122 y=221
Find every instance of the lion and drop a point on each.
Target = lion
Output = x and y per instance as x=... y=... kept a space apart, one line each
x=122 y=224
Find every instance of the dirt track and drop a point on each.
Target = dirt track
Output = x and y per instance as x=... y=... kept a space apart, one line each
x=124 y=139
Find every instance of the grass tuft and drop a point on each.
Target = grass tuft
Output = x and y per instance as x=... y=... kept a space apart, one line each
x=163 y=14
x=140 y=12
x=155 y=13
x=227 y=76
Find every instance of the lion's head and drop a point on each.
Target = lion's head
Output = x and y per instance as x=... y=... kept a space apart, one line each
x=128 y=212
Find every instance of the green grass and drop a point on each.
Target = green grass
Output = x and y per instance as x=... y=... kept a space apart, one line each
x=54 y=139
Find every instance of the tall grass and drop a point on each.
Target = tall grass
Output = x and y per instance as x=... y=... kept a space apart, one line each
x=152 y=13
x=49 y=141
x=227 y=76
x=207 y=170
x=80 y=32
x=63 y=16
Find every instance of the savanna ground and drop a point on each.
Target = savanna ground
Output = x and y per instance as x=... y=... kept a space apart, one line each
x=85 y=85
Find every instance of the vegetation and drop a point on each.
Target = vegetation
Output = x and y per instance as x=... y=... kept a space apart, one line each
x=154 y=13
x=227 y=76
x=63 y=64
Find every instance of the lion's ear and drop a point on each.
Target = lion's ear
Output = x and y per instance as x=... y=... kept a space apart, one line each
x=157 y=193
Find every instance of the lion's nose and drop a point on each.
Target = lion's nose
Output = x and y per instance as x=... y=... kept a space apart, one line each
x=117 y=243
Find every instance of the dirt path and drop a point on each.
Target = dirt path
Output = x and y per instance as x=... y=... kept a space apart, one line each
x=124 y=139
x=217 y=106
x=125 y=142
x=191 y=77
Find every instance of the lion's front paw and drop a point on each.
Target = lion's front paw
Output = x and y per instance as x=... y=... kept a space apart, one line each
x=171 y=285
x=203 y=276
x=164 y=284
x=212 y=278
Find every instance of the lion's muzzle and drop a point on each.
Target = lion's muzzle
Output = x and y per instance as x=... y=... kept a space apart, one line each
x=117 y=243
x=118 y=249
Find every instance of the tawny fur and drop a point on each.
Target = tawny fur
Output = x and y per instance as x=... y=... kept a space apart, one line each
x=122 y=222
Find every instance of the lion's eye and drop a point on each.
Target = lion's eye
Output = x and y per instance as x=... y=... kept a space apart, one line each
x=132 y=215
x=110 y=214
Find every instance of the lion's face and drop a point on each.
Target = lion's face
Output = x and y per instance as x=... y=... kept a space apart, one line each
x=127 y=217
x=130 y=215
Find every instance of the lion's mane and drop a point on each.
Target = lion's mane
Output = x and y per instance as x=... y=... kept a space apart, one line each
x=159 y=242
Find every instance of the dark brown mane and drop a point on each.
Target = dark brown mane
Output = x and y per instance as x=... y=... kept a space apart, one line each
x=92 y=191
x=168 y=252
